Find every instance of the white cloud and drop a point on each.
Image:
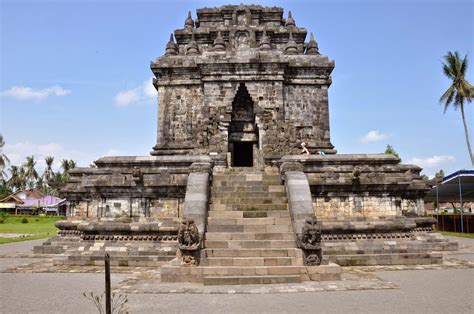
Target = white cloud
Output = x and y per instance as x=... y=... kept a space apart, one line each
x=137 y=95
x=433 y=161
x=28 y=93
x=374 y=136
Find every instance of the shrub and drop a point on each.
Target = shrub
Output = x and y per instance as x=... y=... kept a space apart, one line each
x=2 y=220
x=24 y=220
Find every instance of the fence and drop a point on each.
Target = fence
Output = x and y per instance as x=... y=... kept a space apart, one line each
x=452 y=223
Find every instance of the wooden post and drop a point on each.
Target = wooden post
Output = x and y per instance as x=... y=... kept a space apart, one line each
x=108 y=304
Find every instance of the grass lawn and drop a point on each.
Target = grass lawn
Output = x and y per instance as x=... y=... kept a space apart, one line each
x=38 y=227
x=458 y=234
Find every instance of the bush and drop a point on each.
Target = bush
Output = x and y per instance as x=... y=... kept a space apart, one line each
x=2 y=220
x=24 y=220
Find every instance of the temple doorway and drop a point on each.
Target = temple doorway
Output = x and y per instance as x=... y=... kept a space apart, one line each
x=242 y=129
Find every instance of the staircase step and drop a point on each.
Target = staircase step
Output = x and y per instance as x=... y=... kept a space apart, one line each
x=249 y=207
x=250 y=280
x=247 y=189
x=254 y=261
x=250 y=200
x=248 y=221
x=288 y=252
x=249 y=236
x=249 y=228
x=249 y=244
x=252 y=271
x=228 y=214
x=217 y=195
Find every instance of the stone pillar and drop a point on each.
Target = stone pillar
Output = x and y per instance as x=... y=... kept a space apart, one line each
x=300 y=202
x=196 y=199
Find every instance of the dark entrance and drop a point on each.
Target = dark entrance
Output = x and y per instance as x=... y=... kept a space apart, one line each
x=243 y=154
x=242 y=129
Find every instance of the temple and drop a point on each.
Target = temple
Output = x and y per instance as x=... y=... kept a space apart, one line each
x=226 y=196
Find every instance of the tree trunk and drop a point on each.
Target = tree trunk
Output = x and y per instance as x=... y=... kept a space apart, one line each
x=467 y=136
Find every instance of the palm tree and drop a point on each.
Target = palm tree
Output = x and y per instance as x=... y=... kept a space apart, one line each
x=72 y=164
x=30 y=172
x=16 y=180
x=460 y=92
x=65 y=164
x=48 y=172
x=3 y=158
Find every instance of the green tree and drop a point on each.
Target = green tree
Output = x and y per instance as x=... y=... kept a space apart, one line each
x=31 y=175
x=390 y=151
x=48 y=171
x=439 y=176
x=3 y=159
x=460 y=92
x=16 y=181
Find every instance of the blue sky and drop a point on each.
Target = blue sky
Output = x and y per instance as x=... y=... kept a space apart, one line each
x=75 y=75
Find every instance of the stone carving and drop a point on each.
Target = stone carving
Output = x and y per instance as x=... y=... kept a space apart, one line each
x=310 y=242
x=265 y=44
x=312 y=46
x=291 y=47
x=219 y=43
x=189 y=23
x=290 y=22
x=137 y=174
x=171 y=48
x=242 y=39
x=189 y=243
x=192 y=48
x=356 y=176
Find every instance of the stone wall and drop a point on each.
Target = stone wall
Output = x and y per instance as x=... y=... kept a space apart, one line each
x=366 y=206
x=127 y=207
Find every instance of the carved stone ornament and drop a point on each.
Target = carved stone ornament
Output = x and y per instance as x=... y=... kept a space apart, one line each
x=311 y=234
x=137 y=174
x=188 y=235
x=189 y=243
x=310 y=242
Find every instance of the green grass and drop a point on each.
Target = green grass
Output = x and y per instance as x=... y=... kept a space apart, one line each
x=458 y=234
x=38 y=227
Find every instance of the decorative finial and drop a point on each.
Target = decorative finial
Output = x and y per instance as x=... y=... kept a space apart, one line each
x=189 y=23
x=219 y=43
x=291 y=47
x=312 y=46
x=171 y=47
x=265 y=42
x=290 y=22
x=192 y=48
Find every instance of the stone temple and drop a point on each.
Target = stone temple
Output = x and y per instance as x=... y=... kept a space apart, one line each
x=226 y=196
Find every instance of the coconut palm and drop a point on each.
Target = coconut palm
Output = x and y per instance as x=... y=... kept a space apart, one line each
x=16 y=180
x=48 y=172
x=31 y=175
x=72 y=164
x=66 y=165
x=3 y=158
x=460 y=92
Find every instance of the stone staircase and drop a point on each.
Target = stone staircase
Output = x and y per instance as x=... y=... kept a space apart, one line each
x=249 y=238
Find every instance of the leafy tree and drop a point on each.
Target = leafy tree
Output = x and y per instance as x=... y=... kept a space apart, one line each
x=31 y=175
x=460 y=92
x=3 y=158
x=390 y=151
x=48 y=171
x=439 y=176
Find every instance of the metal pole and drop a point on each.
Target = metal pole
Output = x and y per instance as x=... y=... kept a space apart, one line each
x=460 y=199
x=108 y=304
x=437 y=209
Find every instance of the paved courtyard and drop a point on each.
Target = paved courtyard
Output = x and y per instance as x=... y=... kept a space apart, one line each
x=31 y=284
